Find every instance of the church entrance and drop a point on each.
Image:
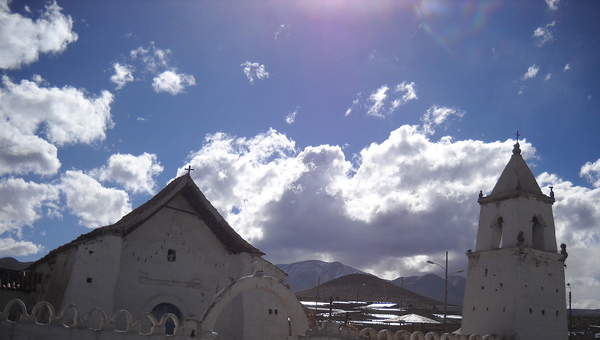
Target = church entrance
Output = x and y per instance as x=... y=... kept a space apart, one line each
x=164 y=308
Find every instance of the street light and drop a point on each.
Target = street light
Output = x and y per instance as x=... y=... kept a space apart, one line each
x=445 y=268
x=570 y=312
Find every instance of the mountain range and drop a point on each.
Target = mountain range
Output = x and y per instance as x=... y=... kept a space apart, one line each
x=308 y=274
x=366 y=287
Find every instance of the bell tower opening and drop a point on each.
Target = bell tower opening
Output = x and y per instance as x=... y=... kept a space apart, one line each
x=496 y=241
x=537 y=234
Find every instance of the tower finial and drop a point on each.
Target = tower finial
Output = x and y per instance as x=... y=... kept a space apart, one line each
x=516 y=148
x=189 y=169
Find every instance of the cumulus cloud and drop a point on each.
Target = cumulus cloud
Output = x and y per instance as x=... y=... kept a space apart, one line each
x=68 y=114
x=577 y=220
x=291 y=117
x=12 y=247
x=548 y=76
x=567 y=67
x=22 y=153
x=532 y=71
x=591 y=172
x=23 y=39
x=406 y=185
x=134 y=173
x=400 y=200
x=552 y=4
x=254 y=70
x=34 y=118
x=123 y=75
x=544 y=34
x=94 y=204
x=384 y=100
x=437 y=115
x=21 y=203
x=172 y=82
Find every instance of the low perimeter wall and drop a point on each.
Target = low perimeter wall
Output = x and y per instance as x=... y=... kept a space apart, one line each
x=44 y=323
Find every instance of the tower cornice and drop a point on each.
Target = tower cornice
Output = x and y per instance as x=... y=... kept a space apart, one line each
x=514 y=194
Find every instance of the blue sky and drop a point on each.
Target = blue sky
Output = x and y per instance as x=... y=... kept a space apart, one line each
x=306 y=121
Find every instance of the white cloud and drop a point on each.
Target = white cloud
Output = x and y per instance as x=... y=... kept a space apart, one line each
x=291 y=117
x=21 y=203
x=12 y=247
x=383 y=102
x=404 y=198
x=65 y=115
x=544 y=34
x=406 y=185
x=377 y=99
x=552 y=4
x=548 y=76
x=532 y=71
x=34 y=118
x=283 y=28
x=23 y=39
x=123 y=75
x=172 y=82
x=38 y=79
x=591 y=172
x=134 y=173
x=577 y=220
x=254 y=70
x=436 y=115
x=408 y=92
x=351 y=107
x=92 y=203
x=22 y=153
x=567 y=67
x=153 y=58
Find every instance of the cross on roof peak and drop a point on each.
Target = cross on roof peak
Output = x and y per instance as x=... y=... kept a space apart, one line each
x=189 y=169
x=517 y=149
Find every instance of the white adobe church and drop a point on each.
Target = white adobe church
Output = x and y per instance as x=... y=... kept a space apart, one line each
x=516 y=281
x=174 y=254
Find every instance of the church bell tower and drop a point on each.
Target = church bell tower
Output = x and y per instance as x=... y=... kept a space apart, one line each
x=516 y=280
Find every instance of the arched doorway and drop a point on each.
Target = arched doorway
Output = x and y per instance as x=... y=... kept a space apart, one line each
x=164 y=308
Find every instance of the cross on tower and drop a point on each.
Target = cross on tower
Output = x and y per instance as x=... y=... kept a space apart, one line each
x=189 y=169
x=518 y=136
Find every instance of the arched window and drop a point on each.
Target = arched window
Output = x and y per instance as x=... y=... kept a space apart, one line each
x=537 y=234
x=496 y=235
x=163 y=308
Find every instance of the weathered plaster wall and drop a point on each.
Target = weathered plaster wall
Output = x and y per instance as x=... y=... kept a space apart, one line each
x=56 y=273
x=94 y=274
x=515 y=291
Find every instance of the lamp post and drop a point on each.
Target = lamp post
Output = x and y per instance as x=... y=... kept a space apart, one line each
x=570 y=312
x=445 y=268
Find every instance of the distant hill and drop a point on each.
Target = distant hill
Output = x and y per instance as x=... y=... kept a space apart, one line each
x=432 y=286
x=307 y=274
x=366 y=287
x=13 y=264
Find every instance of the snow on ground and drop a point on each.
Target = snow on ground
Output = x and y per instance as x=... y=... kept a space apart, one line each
x=413 y=318
x=449 y=316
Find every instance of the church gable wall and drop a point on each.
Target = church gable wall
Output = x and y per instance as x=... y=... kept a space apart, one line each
x=175 y=258
x=94 y=275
